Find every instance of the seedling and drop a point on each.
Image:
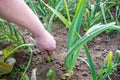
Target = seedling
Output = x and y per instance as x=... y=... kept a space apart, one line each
x=25 y=77
x=50 y=74
x=48 y=58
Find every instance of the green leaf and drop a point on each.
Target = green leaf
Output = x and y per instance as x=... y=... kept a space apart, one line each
x=75 y=26
x=5 y=68
x=53 y=15
x=106 y=67
x=109 y=61
x=91 y=65
x=25 y=77
x=50 y=74
x=41 y=7
x=102 y=6
x=76 y=23
x=99 y=14
x=65 y=21
x=31 y=4
x=72 y=54
x=2 y=38
x=67 y=11
x=117 y=56
x=48 y=58
x=8 y=51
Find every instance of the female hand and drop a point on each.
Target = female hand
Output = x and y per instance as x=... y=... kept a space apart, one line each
x=46 y=43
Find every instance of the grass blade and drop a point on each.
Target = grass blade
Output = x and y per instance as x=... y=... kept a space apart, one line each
x=99 y=14
x=67 y=11
x=103 y=12
x=52 y=17
x=58 y=14
x=41 y=8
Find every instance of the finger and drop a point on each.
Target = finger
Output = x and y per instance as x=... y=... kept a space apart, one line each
x=51 y=50
x=45 y=52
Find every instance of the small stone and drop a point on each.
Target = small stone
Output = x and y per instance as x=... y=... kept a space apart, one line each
x=98 y=40
x=98 y=55
x=1 y=53
x=11 y=60
x=105 y=50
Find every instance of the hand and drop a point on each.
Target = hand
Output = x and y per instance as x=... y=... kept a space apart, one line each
x=46 y=43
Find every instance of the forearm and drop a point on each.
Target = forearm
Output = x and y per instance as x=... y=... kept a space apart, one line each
x=18 y=12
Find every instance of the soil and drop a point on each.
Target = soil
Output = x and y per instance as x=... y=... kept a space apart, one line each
x=99 y=47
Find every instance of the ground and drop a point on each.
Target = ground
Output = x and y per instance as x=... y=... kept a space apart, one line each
x=98 y=47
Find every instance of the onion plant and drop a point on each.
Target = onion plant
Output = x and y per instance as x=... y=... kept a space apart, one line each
x=101 y=11
x=9 y=32
x=76 y=42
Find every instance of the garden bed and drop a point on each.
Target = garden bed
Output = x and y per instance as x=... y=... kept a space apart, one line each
x=98 y=47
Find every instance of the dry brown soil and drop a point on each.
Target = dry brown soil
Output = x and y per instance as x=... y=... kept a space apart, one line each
x=98 y=47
